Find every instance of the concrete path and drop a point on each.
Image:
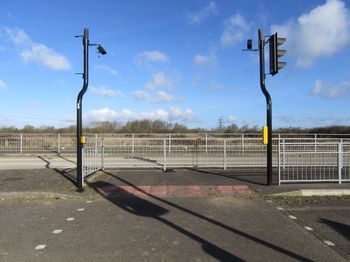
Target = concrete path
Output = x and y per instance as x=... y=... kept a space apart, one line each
x=36 y=162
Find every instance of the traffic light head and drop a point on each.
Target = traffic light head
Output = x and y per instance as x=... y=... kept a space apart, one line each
x=249 y=44
x=276 y=53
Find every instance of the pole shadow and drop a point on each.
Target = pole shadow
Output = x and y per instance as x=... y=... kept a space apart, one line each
x=341 y=228
x=144 y=208
x=66 y=173
x=207 y=245
x=249 y=177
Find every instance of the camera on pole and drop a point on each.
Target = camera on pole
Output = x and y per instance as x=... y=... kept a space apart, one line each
x=276 y=53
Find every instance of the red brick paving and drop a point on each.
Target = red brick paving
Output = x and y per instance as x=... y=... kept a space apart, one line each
x=142 y=191
x=210 y=190
x=160 y=191
x=227 y=190
x=173 y=191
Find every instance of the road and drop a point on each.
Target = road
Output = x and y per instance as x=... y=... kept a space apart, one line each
x=155 y=229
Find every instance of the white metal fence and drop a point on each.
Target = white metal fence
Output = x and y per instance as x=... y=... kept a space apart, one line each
x=297 y=159
x=93 y=160
x=66 y=142
x=308 y=162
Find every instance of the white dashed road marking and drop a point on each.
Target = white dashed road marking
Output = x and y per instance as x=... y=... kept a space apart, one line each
x=70 y=218
x=80 y=209
x=38 y=247
x=57 y=231
x=89 y=201
x=308 y=228
x=280 y=208
x=292 y=217
x=329 y=243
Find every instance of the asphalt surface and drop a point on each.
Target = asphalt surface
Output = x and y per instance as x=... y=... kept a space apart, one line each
x=328 y=218
x=150 y=228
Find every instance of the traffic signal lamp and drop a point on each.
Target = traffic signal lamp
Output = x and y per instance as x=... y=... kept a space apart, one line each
x=249 y=44
x=276 y=53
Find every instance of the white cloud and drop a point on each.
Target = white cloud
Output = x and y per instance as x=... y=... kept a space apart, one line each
x=312 y=121
x=31 y=51
x=106 y=92
x=322 y=32
x=42 y=55
x=331 y=91
x=107 y=69
x=176 y=114
x=232 y=119
x=147 y=57
x=107 y=114
x=2 y=85
x=141 y=95
x=18 y=36
x=236 y=29
x=156 y=97
x=196 y=18
x=163 y=97
x=210 y=60
x=159 y=80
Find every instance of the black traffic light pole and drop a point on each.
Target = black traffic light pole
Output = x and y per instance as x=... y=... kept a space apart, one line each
x=268 y=105
x=275 y=66
x=80 y=179
x=80 y=139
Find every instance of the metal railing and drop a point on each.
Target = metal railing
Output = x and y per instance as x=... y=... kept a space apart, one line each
x=93 y=160
x=183 y=152
x=297 y=160
x=66 y=142
x=310 y=162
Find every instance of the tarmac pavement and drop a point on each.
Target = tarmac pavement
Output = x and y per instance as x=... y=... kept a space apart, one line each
x=151 y=229
x=124 y=225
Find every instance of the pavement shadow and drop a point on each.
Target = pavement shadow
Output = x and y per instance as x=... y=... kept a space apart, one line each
x=341 y=228
x=67 y=173
x=252 y=177
x=66 y=159
x=211 y=249
x=142 y=207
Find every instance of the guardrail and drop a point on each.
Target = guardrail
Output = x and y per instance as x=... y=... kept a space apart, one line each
x=66 y=143
x=93 y=160
x=307 y=162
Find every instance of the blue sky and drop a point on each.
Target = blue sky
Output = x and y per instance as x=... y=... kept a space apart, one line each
x=178 y=61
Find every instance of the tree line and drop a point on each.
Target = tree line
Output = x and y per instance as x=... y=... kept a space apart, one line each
x=159 y=126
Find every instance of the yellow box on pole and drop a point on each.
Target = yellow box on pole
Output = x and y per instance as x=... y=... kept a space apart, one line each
x=83 y=139
x=265 y=135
